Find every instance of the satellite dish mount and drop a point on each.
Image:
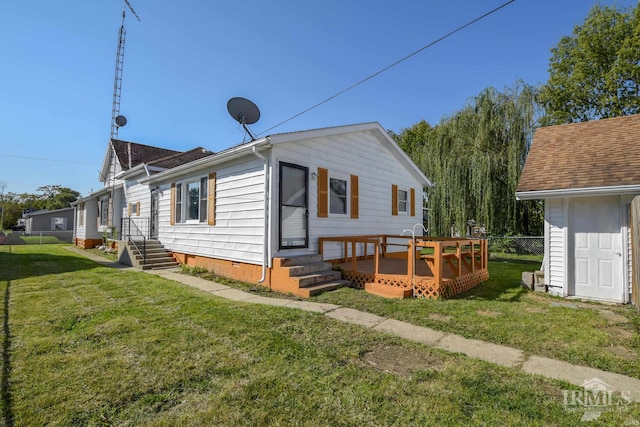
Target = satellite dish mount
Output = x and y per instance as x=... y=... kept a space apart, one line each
x=244 y=112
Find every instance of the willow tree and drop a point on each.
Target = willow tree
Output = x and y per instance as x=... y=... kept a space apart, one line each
x=475 y=158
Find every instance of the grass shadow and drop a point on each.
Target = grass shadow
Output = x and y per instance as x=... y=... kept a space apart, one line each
x=19 y=265
x=5 y=383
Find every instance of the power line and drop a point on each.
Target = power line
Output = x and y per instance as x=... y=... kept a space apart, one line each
x=438 y=40
x=47 y=160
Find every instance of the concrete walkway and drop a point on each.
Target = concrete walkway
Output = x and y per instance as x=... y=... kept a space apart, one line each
x=492 y=353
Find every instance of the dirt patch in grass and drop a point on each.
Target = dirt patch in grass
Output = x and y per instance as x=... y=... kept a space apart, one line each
x=619 y=333
x=402 y=361
x=612 y=317
x=623 y=352
x=536 y=310
x=488 y=313
x=439 y=317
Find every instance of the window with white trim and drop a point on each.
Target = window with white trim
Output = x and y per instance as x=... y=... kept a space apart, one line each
x=191 y=201
x=403 y=201
x=104 y=211
x=338 y=189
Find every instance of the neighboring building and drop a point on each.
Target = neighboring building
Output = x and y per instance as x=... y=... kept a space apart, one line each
x=238 y=210
x=57 y=222
x=100 y=214
x=587 y=174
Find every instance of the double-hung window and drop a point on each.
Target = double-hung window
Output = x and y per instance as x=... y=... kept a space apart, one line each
x=104 y=211
x=338 y=196
x=403 y=201
x=191 y=201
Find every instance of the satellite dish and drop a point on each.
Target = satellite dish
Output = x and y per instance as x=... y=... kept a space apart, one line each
x=243 y=111
x=121 y=121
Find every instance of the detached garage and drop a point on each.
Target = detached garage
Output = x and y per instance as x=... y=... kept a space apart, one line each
x=587 y=174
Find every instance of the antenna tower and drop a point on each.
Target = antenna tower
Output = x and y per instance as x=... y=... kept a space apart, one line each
x=117 y=81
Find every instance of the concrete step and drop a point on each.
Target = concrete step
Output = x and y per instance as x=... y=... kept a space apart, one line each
x=158 y=266
x=158 y=260
x=305 y=269
x=300 y=260
x=317 y=278
x=309 y=291
x=156 y=255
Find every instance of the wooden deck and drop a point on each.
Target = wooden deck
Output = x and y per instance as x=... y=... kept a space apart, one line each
x=439 y=267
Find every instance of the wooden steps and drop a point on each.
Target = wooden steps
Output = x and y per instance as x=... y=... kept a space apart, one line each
x=305 y=276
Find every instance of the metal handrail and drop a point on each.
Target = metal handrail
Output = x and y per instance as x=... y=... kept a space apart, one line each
x=138 y=233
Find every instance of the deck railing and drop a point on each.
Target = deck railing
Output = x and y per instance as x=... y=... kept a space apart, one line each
x=455 y=264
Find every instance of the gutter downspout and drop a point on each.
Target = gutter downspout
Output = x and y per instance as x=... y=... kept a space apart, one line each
x=265 y=244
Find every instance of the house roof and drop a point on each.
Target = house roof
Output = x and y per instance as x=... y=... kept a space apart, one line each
x=132 y=154
x=46 y=212
x=180 y=158
x=599 y=156
x=251 y=147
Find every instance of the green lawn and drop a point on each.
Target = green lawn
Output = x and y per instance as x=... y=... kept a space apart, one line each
x=19 y=239
x=88 y=345
x=503 y=312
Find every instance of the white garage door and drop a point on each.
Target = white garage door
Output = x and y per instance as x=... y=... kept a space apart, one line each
x=597 y=248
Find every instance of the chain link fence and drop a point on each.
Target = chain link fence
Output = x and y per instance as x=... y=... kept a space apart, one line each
x=520 y=245
x=35 y=238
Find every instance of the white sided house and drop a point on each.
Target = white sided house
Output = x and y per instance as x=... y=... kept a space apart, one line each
x=124 y=202
x=243 y=211
x=587 y=174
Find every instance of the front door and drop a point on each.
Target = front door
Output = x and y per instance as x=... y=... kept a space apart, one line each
x=294 y=212
x=153 y=221
x=597 y=248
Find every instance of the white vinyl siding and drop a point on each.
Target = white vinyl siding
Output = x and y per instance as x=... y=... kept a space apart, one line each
x=239 y=208
x=358 y=154
x=403 y=201
x=555 y=239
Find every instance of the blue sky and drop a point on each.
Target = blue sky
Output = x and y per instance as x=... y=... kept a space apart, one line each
x=185 y=59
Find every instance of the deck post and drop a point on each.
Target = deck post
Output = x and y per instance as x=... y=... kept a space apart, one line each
x=384 y=245
x=459 y=256
x=353 y=255
x=438 y=264
x=346 y=252
x=410 y=259
x=376 y=259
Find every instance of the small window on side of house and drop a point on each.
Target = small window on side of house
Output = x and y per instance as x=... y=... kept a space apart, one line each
x=338 y=196
x=403 y=201
x=104 y=212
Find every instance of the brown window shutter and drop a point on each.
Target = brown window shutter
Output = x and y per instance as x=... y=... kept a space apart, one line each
x=129 y=209
x=211 y=199
x=172 y=217
x=137 y=208
x=354 y=197
x=323 y=193
x=413 y=202
x=394 y=199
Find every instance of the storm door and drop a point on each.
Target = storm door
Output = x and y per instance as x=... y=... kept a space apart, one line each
x=294 y=212
x=153 y=221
